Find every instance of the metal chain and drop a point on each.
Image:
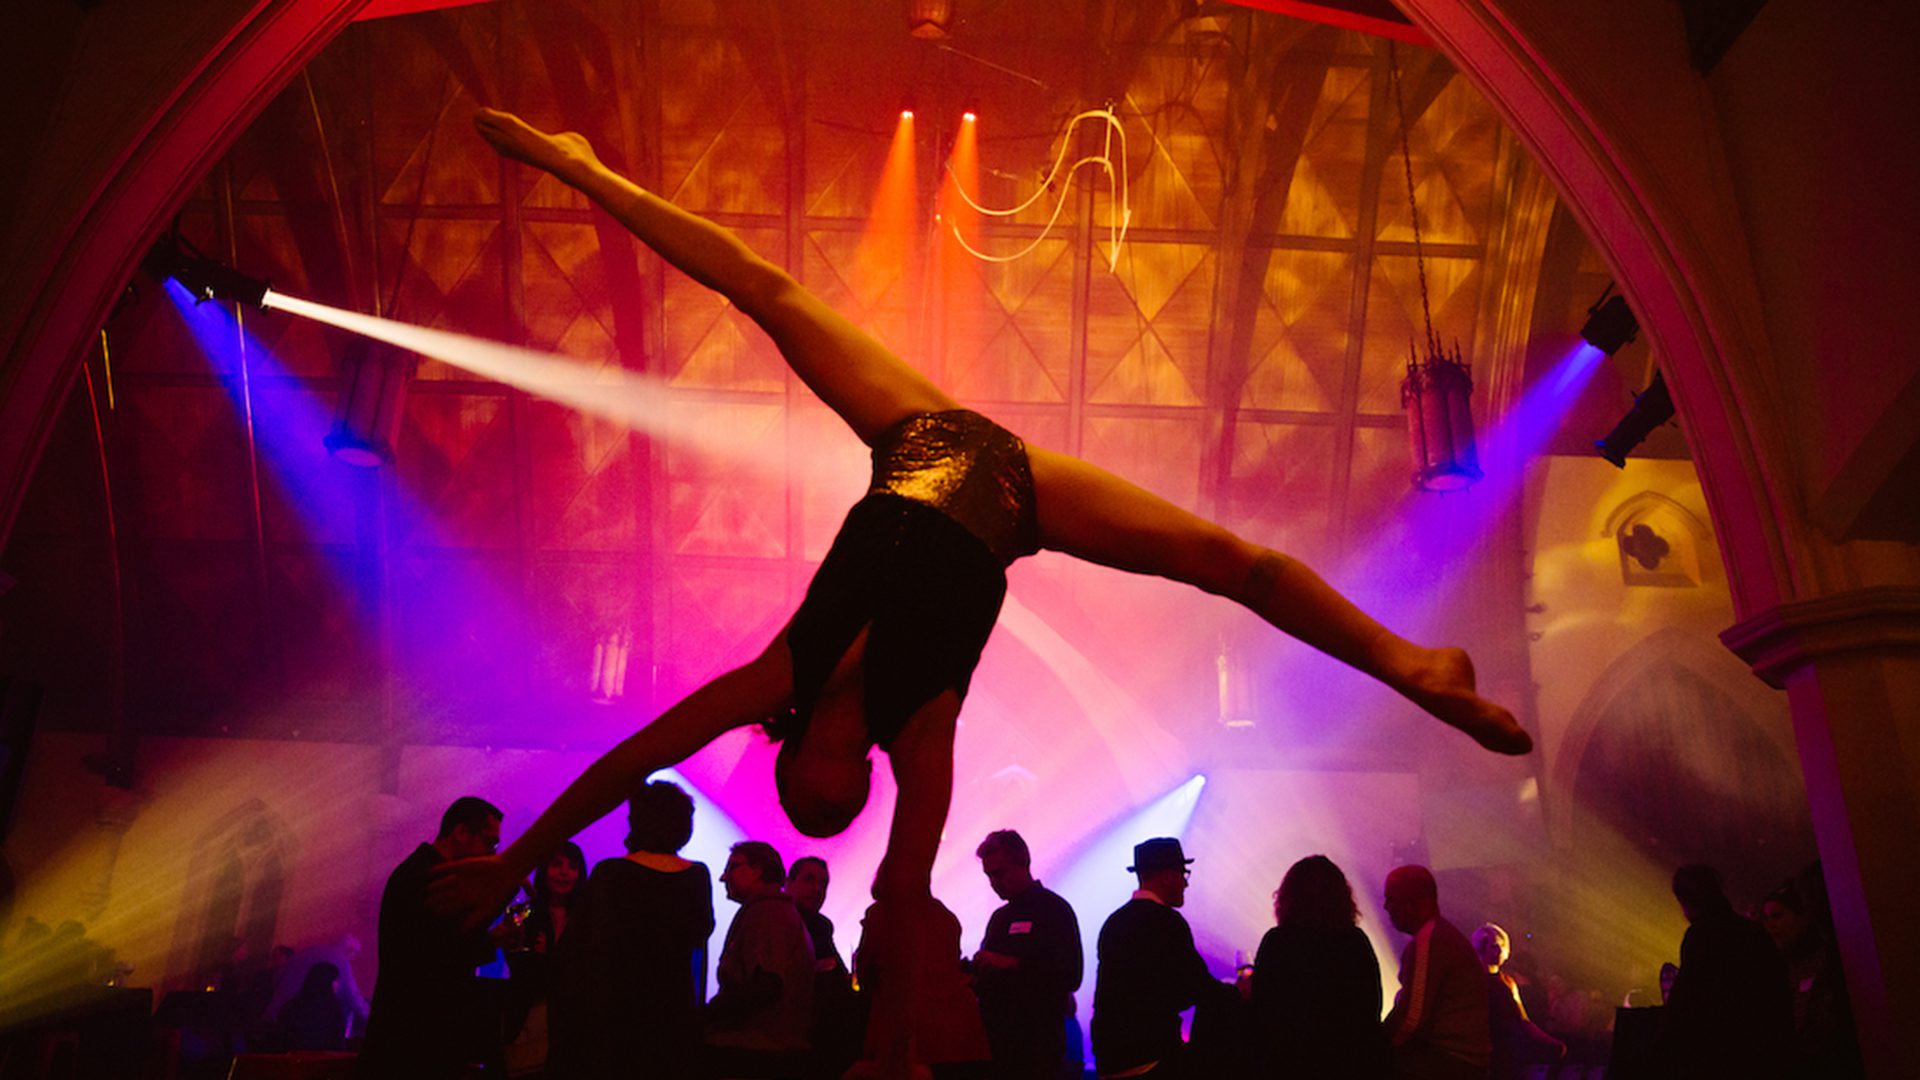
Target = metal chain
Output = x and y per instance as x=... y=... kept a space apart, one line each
x=1413 y=209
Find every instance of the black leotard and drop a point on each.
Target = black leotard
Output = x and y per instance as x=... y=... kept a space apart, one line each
x=922 y=561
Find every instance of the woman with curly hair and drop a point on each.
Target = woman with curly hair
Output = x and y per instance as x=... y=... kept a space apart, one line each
x=1316 y=982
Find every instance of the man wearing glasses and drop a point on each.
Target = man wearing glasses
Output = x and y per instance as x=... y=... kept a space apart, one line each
x=1149 y=971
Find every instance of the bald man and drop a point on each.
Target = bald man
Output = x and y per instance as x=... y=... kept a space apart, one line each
x=1439 y=1020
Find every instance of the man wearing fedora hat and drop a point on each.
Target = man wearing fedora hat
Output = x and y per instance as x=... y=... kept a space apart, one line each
x=1149 y=970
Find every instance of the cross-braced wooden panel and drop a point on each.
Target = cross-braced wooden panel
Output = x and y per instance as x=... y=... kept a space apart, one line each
x=1241 y=356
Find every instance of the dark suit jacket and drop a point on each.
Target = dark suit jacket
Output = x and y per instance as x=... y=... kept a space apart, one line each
x=1026 y=1009
x=1149 y=972
x=428 y=1017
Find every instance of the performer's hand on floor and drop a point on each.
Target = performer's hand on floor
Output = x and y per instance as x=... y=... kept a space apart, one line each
x=475 y=888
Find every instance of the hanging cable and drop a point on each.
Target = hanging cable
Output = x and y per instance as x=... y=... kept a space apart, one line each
x=1116 y=182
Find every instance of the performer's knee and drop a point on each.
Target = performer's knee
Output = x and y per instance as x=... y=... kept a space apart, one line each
x=768 y=294
x=1262 y=577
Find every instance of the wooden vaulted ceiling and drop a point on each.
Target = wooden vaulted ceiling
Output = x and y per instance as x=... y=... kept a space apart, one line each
x=1242 y=357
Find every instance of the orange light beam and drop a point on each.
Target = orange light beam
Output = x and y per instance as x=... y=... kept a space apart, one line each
x=957 y=301
x=887 y=242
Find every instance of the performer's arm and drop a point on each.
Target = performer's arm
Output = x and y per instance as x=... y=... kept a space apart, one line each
x=742 y=696
x=1065 y=953
x=922 y=761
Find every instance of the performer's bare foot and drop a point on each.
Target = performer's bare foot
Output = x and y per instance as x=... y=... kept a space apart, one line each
x=1443 y=684
x=516 y=139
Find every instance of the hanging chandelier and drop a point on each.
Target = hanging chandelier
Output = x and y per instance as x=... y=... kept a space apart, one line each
x=1437 y=390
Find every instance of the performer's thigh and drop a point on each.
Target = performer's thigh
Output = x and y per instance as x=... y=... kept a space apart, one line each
x=859 y=378
x=1088 y=512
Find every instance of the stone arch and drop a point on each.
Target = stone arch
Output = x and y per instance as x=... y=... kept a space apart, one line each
x=1702 y=323
x=1664 y=650
x=1645 y=239
x=237 y=875
x=138 y=181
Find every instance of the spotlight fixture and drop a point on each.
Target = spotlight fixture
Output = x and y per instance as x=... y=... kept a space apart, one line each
x=1610 y=323
x=929 y=18
x=1651 y=408
x=173 y=258
x=968 y=116
x=906 y=114
x=367 y=427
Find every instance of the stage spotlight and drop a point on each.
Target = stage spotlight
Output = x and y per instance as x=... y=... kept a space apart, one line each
x=929 y=18
x=372 y=402
x=201 y=276
x=968 y=116
x=1651 y=408
x=906 y=114
x=1610 y=323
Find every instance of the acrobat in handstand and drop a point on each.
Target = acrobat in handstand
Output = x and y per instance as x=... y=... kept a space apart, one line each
x=882 y=648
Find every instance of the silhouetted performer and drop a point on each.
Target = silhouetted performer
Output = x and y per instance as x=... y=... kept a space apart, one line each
x=837 y=1020
x=630 y=971
x=1028 y=966
x=292 y=976
x=314 y=1018
x=760 y=1022
x=1824 y=1044
x=1149 y=972
x=1731 y=1013
x=1316 y=983
x=429 y=1019
x=1438 y=1027
x=555 y=886
x=1518 y=1042
x=883 y=648
x=807 y=882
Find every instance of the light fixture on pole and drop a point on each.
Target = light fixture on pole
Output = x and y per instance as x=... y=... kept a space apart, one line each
x=1438 y=389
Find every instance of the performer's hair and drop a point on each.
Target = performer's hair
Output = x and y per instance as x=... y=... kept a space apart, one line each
x=659 y=818
x=469 y=810
x=1699 y=888
x=1005 y=842
x=543 y=889
x=1491 y=932
x=765 y=861
x=1315 y=893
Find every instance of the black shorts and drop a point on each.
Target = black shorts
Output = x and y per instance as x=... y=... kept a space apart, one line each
x=930 y=591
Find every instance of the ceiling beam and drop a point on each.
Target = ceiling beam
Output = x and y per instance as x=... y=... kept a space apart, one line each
x=1377 y=17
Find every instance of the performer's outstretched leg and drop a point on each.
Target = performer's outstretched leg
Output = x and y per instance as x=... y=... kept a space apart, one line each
x=857 y=377
x=1092 y=514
